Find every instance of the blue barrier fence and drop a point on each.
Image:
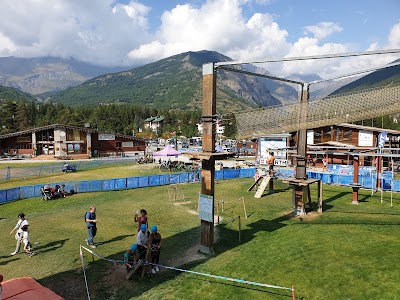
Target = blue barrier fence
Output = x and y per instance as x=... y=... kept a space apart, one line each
x=367 y=180
x=87 y=186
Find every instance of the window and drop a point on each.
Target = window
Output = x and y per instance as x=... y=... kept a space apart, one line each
x=118 y=144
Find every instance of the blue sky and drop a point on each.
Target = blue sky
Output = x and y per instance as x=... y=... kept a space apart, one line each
x=125 y=32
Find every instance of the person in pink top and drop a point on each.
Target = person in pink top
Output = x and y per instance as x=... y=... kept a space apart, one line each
x=141 y=219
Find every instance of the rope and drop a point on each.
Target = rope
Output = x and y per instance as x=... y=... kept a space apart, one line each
x=223 y=278
x=84 y=272
x=229 y=63
x=186 y=271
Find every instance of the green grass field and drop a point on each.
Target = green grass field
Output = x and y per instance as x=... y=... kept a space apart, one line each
x=348 y=252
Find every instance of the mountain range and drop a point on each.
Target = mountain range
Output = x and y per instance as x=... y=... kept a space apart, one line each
x=38 y=75
x=176 y=82
x=171 y=83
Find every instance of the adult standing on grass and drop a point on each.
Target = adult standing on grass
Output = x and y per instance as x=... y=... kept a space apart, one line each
x=91 y=222
x=142 y=241
x=18 y=234
x=142 y=219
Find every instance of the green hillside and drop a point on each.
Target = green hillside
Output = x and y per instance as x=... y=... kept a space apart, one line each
x=173 y=82
x=375 y=79
x=11 y=94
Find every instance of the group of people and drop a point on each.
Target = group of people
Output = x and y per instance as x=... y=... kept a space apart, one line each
x=56 y=192
x=146 y=243
x=22 y=235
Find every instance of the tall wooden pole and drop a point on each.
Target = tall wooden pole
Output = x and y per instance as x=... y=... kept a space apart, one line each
x=301 y=164
x=208 y=142
x=300 y=191
x=355 y=185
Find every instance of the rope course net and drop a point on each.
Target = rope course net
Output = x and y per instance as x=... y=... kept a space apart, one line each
x=347 y=107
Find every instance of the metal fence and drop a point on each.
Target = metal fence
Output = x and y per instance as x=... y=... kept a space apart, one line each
x=43 y=169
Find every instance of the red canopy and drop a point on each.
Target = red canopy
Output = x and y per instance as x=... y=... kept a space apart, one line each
x=167 y=151
x=27 y=288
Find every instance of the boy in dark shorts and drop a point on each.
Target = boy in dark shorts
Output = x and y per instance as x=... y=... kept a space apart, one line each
x=155 y=244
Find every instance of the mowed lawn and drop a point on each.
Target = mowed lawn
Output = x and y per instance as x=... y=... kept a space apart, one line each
x=348 y=252
x=106 y=172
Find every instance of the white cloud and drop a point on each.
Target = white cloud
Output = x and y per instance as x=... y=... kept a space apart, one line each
x=109 y=32
x=97 y=31
x=394 y=37
x=217 y=25
x=323 y=29
x=307 y=46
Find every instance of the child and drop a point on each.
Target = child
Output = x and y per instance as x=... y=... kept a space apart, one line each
x=18 y=234
x=25 y=238
x=130 y=258
x=155 y=243
x=142 y=219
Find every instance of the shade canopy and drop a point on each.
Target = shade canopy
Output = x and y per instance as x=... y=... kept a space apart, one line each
x=167 y=151
x=27 y=288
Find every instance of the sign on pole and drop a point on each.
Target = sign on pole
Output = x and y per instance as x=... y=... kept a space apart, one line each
x=206 y=208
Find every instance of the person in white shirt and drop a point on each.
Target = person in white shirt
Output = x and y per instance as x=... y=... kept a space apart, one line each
x=142 y=241
x=18 y=234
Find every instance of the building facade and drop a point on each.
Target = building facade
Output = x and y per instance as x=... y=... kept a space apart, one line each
x=59 y=140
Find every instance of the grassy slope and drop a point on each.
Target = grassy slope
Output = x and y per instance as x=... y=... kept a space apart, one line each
x=350 y=252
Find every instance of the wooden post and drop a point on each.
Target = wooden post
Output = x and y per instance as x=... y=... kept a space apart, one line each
x=355 y=180
x=240 y=230
x=222 y=200
x=301 y=159
x=302 y=134
x=319 y=210
x=218 y=213
x=208 y=144
x=244 y=207
x=271 y=184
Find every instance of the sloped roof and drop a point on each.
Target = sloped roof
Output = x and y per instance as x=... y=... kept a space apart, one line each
x=150 y=119
x=54 y=126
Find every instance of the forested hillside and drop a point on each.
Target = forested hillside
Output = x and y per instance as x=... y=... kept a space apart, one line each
x=176 y=82
x=118 y=118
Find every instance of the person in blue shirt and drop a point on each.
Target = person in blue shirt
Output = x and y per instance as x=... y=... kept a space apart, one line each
x=91 y=226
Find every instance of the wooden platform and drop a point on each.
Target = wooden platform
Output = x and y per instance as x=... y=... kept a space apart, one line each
x=209 y=155
x=301 y=182
x=302 y=195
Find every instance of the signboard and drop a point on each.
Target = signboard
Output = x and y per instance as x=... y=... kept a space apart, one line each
x=126 y=144
x=276 y=145
x=24 y=139
x=365 y=138
x=106 y=137
x=310 y=137
x=206 y=208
